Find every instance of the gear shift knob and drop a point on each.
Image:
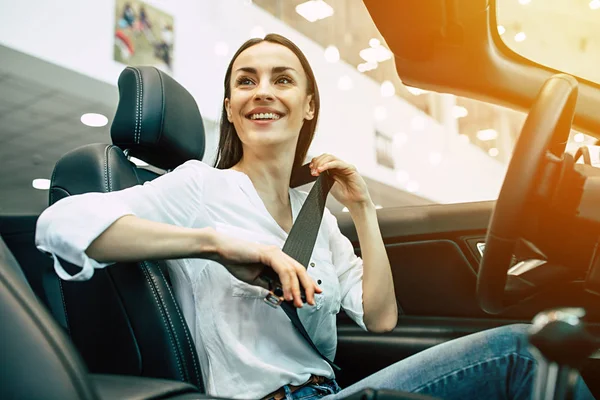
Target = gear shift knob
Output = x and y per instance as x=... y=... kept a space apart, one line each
x=561 y=344
x=560 y=336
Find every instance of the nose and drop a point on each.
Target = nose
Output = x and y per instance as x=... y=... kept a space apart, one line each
x=264 y=91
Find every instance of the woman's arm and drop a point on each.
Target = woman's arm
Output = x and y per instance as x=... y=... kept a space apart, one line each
x=379 y=308
x=132 y=239
x=379 y=298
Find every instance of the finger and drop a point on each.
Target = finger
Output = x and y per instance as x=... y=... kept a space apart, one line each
x=325 y=157
x=284 y=278
x=295 y=288
x=338 y=165
x=307 y=284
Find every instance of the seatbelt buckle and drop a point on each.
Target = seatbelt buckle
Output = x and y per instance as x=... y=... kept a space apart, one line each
x=273 y=300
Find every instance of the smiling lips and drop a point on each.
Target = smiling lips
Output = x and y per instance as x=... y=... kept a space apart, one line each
x=263 y=115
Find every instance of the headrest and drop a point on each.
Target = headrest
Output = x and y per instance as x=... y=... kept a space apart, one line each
x=157 y=120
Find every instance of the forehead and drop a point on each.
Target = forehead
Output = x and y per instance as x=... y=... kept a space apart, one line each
x=266 y=55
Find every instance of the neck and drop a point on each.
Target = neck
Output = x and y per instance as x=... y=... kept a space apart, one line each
x=269 y=175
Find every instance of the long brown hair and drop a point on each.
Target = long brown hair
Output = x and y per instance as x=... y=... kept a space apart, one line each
x=230 y=149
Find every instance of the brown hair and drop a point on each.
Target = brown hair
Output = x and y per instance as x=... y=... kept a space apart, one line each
x=230 y=149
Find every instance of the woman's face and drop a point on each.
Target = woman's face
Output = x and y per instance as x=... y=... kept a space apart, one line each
x=268 y=102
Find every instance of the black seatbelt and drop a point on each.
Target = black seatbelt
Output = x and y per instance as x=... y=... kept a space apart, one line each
x=299 y=245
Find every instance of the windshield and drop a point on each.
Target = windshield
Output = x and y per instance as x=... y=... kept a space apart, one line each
x=561 y=34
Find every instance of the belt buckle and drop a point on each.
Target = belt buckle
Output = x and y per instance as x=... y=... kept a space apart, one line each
x=272 y=300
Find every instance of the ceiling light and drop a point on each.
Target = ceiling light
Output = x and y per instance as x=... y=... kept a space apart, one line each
x=493 y=152
x=460 y=112
x=221 y=49
x=595 y=4
x=579 y=137
x=502 y=29
x=314 y=10
x=374 y=42
x=416 y=91
x=487 y=134
x=380 y=113
x=94 y=120
x=418 y=123
x=378 y=207
x=332 y=54
x=435 y=158
x=345 y=82
x=257 y=32
x=368 y=66
x=387 y=89
x=412 y=186
x=402 y=176
x=375 y=54
x=41 y=184
x=519 y=37
x=138 y=162
x=524 y=1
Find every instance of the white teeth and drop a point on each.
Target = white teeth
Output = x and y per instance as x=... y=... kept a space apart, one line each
x=264 y=116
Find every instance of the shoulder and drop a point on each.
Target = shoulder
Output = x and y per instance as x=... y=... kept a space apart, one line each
x=193 y=175
x=200 y=170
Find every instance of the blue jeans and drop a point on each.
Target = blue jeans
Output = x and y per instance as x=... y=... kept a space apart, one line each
x=494 y=364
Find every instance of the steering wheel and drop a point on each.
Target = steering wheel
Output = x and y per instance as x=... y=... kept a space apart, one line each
x=544 y=134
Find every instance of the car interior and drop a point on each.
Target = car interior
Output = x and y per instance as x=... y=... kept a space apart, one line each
x=529 y=256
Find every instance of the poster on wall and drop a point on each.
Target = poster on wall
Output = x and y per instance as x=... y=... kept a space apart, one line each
x=143 y=35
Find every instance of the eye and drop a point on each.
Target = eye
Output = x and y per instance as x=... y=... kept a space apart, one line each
x=244 y=81
x=284 y=80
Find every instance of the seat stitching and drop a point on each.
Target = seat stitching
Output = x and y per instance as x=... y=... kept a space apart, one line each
x=105 y=169
x=184 y=330
x=162 y=311
x=52 y=184
x=140 y=108
x=62 y=296
x=108 y=169
x=179 y=348
x=137 y=106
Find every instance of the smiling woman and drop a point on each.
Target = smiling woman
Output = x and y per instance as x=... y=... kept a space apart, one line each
x=289 y=73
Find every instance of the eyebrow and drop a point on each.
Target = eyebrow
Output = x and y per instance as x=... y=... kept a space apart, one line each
x=274 y=70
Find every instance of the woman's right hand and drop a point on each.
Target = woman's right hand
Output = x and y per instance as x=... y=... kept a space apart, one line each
x=292 y=274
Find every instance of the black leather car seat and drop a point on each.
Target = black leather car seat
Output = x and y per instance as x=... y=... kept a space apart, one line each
x=125 y=319
x=39 y=361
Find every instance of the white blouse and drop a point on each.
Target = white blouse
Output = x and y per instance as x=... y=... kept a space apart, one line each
x=246 y=348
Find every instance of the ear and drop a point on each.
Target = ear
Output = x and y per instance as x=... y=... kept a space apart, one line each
x=227 y=105
x=309 y=112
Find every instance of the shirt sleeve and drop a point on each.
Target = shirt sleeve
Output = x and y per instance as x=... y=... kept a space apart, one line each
x=68 y=227
x=349 y=269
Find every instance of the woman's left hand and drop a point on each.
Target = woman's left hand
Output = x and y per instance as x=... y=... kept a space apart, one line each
x=349 y=188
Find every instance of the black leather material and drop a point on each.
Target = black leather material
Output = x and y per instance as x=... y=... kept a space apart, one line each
x=157 y=120
x=38 y=362
x=96 y=167
x=125 y=319
x=112 y=387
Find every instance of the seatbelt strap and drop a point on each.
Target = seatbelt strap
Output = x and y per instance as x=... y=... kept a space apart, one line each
x=300 y=244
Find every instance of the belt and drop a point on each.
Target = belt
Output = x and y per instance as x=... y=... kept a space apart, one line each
x=279 y=394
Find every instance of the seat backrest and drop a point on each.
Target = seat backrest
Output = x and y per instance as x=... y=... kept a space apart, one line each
x=38 y=362
x=125 y=319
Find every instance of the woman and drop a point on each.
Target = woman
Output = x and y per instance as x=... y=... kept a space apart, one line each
x=270 y=111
